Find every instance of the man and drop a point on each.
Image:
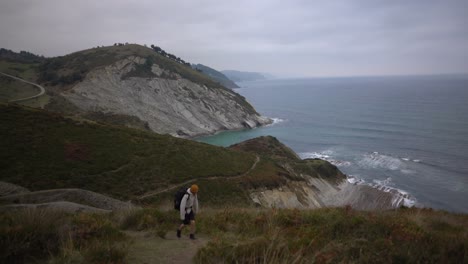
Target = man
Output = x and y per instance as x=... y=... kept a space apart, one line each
x=188 y=210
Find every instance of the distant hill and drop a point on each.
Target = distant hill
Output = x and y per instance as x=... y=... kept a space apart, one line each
x=240 y=76
x=131 y=85
x=215 y=76
x=22 y=56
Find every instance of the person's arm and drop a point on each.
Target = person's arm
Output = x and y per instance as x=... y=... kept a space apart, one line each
x=195 y=205
x=183 y=202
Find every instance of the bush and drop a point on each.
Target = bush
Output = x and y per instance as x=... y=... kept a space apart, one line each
x=30 y=234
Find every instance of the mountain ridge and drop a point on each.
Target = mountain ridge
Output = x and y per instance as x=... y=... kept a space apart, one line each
x=216 y=76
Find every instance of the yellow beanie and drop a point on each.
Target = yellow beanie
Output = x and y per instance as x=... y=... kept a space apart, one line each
x=194 y=188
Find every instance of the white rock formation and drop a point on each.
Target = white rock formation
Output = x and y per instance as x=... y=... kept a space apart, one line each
x=316 y=193
x=176 y=106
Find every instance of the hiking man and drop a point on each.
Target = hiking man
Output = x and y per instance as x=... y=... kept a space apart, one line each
x=188 y=210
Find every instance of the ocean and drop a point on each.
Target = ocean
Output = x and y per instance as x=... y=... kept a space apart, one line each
x=408 y=134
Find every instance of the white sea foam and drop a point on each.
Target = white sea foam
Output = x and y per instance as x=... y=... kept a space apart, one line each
x=314 y=155
x=325 y=155
x=416 y=160
x=376 y=160
x=354 y=180
x=276 y=121
x=373 y=160
x=405 y=159
x=400 y=197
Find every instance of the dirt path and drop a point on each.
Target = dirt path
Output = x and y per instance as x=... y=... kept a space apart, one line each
x=193 y=180
x=41 y=89
x=148 y=248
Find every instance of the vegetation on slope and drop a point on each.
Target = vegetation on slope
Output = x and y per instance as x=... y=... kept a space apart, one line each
x=23 y=65
x=335 y=235
x=285 y=158
x=42 y=150
x=32 y=236
x=329 y=235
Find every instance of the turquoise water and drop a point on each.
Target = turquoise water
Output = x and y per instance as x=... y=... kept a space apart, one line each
x=406 y=133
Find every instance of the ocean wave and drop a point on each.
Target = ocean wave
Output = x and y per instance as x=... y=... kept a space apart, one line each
x=410 y=159
x=380 y=161
x=314 y=155
x=276 y=121
x=324 y=155
x=399 y=197
x=354 y=180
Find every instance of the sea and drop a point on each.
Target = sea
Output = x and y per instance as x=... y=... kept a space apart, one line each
x=402 y=133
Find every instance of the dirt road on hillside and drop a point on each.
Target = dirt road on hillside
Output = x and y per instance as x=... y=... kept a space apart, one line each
x=41 y=89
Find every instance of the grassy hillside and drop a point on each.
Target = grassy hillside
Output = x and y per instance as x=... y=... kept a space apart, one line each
x=335 y=235
x=48 y=151
x=329 y=235
x=42 y=150
x=289 y=164
x=71 y=68
x=62 y=72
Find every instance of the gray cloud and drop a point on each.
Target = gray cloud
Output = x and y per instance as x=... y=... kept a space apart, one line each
x=308 y=38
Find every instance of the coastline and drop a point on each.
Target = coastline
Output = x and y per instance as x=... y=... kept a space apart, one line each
x=202 y=135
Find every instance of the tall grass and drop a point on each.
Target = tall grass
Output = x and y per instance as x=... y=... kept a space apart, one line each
x=337 y=235
x=239 y=235
x=37 y=234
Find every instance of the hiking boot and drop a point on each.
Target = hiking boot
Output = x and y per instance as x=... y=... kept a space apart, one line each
x=178 y=233
x=192 y=236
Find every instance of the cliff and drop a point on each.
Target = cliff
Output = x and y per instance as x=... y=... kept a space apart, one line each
x=311 y=183
x=166 y=102
x=140 y=87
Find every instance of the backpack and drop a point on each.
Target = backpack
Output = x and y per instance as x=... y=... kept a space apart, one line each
x=178 y=197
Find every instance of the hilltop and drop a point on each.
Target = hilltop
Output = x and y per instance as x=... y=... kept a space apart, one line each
x=132 y=85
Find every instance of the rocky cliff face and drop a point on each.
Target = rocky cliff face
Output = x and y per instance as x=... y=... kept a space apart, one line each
x=311 y=183
x=167 y=102
x=317 y=193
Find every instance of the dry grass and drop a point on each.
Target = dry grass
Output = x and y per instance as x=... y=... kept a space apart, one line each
x=335 y=235
x=37 y=234
x=239 y=235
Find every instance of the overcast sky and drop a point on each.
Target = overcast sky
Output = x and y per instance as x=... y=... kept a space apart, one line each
x=284 y=38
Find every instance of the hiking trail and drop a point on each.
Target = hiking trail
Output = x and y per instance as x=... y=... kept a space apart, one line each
x=41 y=89
x=148 y=248
x=193 y=180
